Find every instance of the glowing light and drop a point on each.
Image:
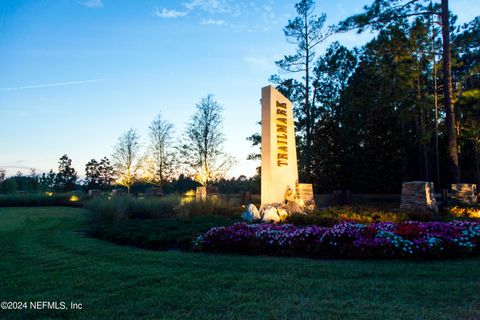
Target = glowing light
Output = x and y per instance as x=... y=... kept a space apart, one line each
x=465 y=212
x=190 y=193
x=475 y=214
x=49 y=193
x=74 y=198
x=189 y=196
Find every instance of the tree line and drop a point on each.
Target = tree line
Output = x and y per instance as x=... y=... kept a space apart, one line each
x=176 y=164
x=198 y=153
x=402 y=107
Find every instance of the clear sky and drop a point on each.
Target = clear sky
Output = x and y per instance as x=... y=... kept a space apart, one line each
x=75 y=74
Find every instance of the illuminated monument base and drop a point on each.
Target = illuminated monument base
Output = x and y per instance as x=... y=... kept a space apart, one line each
x=280 y=189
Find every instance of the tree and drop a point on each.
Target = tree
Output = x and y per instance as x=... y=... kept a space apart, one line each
x=161 y=153
x=332 y=71
x=256 y=142
x=106 y=173
x=382 y=14
x=125 y=156
x=3 y=173
x=92 y=175
x=450 y=123
x=377 y=124
x=466 y=74
x=33 y=183
x=66 y=178
x=9 y=185
x=47 y=181
x=306 y=32
x=469 y=105
x=203 y=152
x=99 y=174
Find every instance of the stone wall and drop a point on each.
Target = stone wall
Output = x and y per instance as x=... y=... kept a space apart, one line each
x=154 y=192
x=305 y=193
x=207 y=193
x=418 y=195
x=465 y=193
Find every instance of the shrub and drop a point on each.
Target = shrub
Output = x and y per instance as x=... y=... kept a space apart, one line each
x=319 y=219
x=208 y=207
x=367 y=214
x=329 y=216
x=121 y=208
x=425 y=240
x=41 y=199
x=160 y=234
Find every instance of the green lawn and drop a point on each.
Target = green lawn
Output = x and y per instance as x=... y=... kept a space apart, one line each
x=45 y=257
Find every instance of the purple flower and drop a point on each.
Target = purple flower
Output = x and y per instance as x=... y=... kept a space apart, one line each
x=410 y=239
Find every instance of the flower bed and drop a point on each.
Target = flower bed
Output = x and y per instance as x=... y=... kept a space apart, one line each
x=423 y=240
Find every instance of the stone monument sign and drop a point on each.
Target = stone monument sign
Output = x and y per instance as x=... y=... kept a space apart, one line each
x=279 y=152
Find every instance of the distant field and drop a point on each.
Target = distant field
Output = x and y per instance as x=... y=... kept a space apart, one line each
x=45 y=257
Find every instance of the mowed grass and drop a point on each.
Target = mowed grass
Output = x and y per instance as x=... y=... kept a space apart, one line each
x=46 y=257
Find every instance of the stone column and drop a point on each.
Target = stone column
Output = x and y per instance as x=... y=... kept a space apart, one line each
x=207 y=193
x=279 y=153
x=305 y=193
x=418 y=195
x=465 y=193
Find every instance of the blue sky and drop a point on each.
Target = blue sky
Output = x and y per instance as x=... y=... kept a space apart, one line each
x=75 y=74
